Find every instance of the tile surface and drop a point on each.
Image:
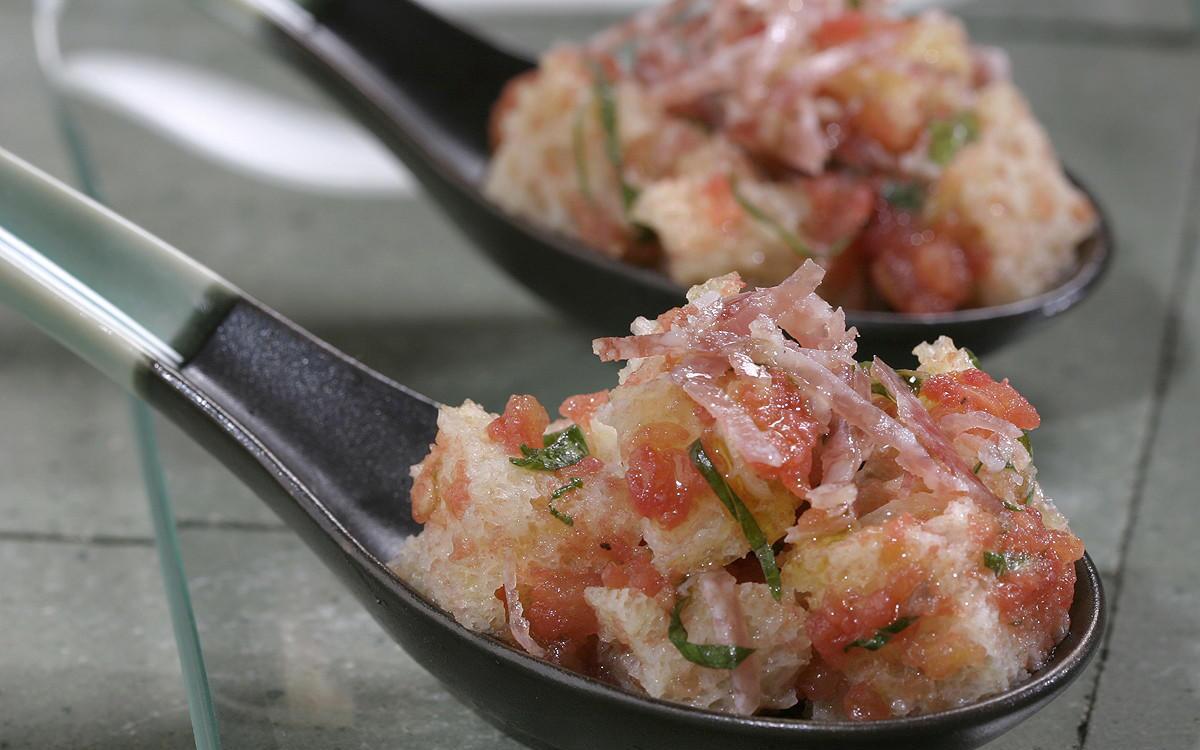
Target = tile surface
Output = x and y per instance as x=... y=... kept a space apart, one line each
x=294 y=662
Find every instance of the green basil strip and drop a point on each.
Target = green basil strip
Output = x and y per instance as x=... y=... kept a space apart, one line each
x=1013 y=507
x=750 y=528
x=581 y=165
x=713 y=657
x=1024 y=441
x=906 y=196
x=974 y=359
x=913 y=379
x=603 y=91
x=978 y=466
x=946 y=137
x=574 y=484
x=560 y=450
x=1003 y=562
x=787 y=237
x=570 y=486
x=882 y=635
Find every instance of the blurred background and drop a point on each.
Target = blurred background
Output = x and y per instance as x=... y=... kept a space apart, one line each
x=87 y=657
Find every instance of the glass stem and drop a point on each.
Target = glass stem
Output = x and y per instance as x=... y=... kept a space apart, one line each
x=170 y=559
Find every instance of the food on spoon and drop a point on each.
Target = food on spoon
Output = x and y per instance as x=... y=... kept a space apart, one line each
x=752 y=520
x=710 y=136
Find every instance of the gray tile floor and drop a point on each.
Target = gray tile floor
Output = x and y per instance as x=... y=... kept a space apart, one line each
x=87 y=659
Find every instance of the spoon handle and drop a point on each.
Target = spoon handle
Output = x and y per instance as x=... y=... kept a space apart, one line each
x=326 y=441
x=109 y=291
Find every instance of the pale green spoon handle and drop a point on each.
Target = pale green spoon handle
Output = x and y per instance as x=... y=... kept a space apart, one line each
x=109 y=291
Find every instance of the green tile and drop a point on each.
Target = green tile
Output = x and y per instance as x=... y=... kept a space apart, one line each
x=67 y=463
x=1091 y=373
x=87 y=659
x=296 y=662
x=1148 y=694
x=1082 y=16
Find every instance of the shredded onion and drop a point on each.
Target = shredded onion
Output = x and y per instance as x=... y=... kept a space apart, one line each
x=719 y=591
x=517 y=624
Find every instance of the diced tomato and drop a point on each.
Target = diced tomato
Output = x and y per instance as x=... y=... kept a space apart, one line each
x=720 y=206
x=597 y=226
x=663 y=484
x=559 y=616
x=587 y=466
x=862 y=703
x=974 y=390
x=847 y=616
x=820 y=682
x=579 y=409
x=523 y=422
x=942 y=650
x=458 y=491
x=841 y=207
x=1036 y=590
x=914 y=269
x=637 y=572
x=845 y=282
x=783 y=412
x=841 y=29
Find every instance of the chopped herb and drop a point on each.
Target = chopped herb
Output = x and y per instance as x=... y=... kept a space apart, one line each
x=996 y=562
x=906 y=196
x=1029 y=495
x=879 y=390
x=974 y=360
x=559 y=450
x=788 y=237
x=603 y=91
x=946 y=137
x=1009 y=465
x=570 y=486
x=574 y=484
x=581 y=165
x=882 y=635
x=912 y=379
x=711 y=656
x=750 y=528
x=978 y=466
x=1013 y=507
x=1003 y=562
x=1024 y=440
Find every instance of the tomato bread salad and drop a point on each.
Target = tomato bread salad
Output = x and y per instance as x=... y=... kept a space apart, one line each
x=708 y=136
x=751 y=520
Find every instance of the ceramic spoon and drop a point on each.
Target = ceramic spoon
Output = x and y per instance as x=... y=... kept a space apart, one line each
x=327 y=443
x=426 y=87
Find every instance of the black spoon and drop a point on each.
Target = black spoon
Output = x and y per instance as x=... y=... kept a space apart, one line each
x=327 y=443
x=426 y=88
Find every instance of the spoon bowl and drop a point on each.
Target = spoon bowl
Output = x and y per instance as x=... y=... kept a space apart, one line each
x=426 y=88
x=327 y=443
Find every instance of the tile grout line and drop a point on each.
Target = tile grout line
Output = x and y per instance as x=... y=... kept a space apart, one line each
x=1084 y=32
x=207 y=524
x=118 y=540
x=1168 y=347
x=96 y=540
